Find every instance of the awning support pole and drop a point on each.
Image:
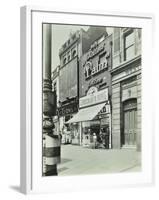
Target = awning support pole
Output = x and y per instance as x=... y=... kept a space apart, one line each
x=110 y=131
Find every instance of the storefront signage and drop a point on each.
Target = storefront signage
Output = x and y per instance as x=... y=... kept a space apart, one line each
x=95 y=98
x=95 y=82
x=105 y=109
x=95 y=49
x=91 y=69
x=126 y=72
x=132 y=70
x=66 y=110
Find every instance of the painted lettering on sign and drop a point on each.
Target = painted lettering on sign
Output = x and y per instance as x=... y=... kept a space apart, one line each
x=105 y=109
x=126 y=73
x=98 y=97
x=69 y=109
x=95 y=49
x=95 y=82
x=132 y=70
x=91 y=70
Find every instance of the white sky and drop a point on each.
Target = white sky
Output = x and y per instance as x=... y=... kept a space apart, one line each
x=61 y=34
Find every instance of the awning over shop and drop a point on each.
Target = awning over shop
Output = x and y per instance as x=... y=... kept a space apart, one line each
x=86 y=114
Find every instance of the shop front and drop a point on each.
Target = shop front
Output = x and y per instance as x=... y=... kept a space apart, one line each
x=93 y=120
x=65 y=112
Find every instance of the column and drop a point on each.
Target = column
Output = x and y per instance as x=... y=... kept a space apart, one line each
x=116 y=132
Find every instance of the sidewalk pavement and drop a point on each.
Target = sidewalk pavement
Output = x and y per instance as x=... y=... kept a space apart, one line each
x=78 y=160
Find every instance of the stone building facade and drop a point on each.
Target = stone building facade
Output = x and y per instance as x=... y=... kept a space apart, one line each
x=94 y=115
x=126 y=88
x=67 y=80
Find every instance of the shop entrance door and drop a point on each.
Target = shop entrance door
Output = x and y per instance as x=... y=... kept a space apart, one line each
x=130 y=122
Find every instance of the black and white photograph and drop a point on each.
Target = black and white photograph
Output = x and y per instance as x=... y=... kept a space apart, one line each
x=91 y=94
x=79 y=100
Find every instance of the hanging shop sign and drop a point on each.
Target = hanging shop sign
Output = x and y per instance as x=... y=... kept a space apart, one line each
x=94 y=98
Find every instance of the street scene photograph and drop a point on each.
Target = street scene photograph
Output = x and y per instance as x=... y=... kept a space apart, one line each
x=91 y=94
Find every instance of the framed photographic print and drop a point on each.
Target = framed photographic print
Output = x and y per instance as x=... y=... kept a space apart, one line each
x=86 y=100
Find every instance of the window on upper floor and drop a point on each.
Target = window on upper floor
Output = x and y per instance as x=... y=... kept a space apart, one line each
x=129 y=45
x=74 y=53
x=139 y=33
x=54 y=86
x=69 y=57
x=116 y=40
x=64 y=61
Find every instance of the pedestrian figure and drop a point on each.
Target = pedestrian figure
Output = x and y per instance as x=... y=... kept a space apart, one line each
x=60 y=137
x=95 y=140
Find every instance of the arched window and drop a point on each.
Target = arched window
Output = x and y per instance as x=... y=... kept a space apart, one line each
x=69 y=57
x=74 y=53
x=65 y=60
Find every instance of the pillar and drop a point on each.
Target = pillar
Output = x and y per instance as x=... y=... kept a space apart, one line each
x=116 y=129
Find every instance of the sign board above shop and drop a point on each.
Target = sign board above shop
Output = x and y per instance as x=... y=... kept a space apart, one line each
x=67 y=110
x=95 y=98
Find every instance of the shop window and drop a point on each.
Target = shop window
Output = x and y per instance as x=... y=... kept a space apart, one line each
x=129 y=45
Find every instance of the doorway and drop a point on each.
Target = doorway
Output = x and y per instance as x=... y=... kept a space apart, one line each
x=130 y=122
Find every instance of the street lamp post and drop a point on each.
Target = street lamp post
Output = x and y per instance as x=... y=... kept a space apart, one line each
x=51 y=142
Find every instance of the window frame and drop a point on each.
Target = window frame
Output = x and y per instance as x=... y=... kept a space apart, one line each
x=125 y=35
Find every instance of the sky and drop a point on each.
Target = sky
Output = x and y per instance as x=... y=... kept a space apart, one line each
x=61 y=34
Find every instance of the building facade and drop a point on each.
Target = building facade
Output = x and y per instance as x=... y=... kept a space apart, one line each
x=126 y=88
x=94 y=114
x=68 y=84
x=68 y=96
x=98 y=86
